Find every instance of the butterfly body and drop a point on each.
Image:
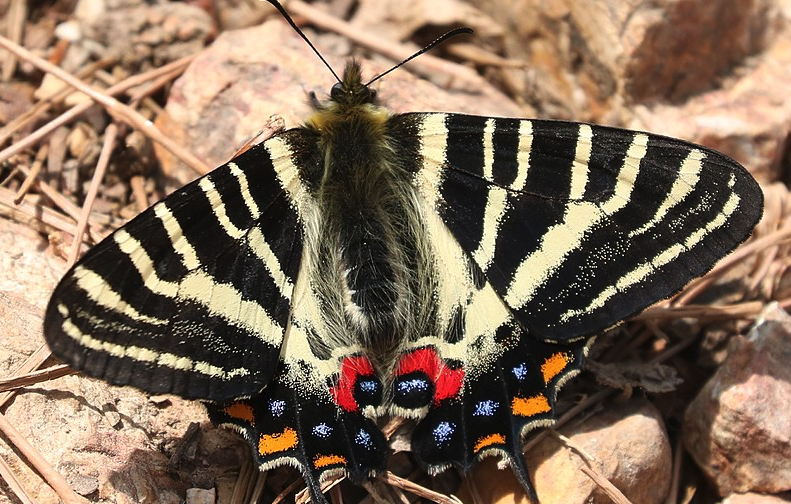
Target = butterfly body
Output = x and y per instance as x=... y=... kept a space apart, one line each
x=368 y=260
x=443 y=267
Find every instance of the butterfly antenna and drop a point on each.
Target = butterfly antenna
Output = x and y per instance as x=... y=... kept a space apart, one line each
x=441 y=39
x=296 y=28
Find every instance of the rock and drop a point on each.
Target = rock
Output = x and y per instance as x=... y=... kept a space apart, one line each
x=201 y=496
x=709 y=72
x=231 y=90
x=738 y=428
x=755 y=498
x=401 y=20
x=586 y=56
x=152 y=35
x=630 y=447
x=747 y=120
x=106 y=441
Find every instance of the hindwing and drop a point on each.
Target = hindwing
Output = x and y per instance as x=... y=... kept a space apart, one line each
x=294 y=423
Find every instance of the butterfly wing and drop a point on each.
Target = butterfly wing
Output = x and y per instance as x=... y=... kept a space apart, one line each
x=572 y=228
x=191 y=297
x=295 y=421
x=576 y=226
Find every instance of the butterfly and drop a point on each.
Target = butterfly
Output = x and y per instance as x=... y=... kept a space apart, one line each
x=447 y=268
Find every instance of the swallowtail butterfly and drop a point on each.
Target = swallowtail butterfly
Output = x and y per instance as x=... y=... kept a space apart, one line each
x=443 y=267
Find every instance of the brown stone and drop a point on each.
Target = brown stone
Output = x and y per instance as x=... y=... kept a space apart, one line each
x=107 y=442
x=586 y=58
x=756 y=498
x=738 y=428
x=747 y=120
x=714 y=73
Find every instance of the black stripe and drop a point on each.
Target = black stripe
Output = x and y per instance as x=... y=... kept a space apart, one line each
x=608 y=153
x=118 y=271
x=464 y=201
x=551 y=156
x=229 y=188
x=506 y=148
x=191 y=208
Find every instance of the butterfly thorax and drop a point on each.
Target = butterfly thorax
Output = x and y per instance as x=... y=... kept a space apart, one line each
x=370 y=264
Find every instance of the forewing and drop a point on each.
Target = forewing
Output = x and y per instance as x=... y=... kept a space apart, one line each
x=579 y=226
x=192 y=296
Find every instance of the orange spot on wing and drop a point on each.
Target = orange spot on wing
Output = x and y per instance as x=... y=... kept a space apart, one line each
x=529 y=406
x=240 y=411
x=554 y=365
x=277 y=442
x=320 y=461
x=489 y=440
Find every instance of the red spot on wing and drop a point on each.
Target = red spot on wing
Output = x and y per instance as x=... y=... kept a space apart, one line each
x=422 y=359
x=447 y=381
x=352 y=368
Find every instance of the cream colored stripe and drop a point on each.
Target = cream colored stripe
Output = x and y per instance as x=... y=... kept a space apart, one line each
x=147 y=355
x=496 y=206
x=486 y=312
x=103 y=294
x=258 y=244
x=179 y=242
x=488 y=149
x=288 y=174
x=217 y=298
x=496 y=201
x=218 y=207
x=144 y=265
x=689 y=174
x=224 y=300
x=663 y=258
x=628 y=174
x=560 y=239
x=579 y=167
x=433 y=144
x=244 y=187
x=523 y=155
x=434 y=136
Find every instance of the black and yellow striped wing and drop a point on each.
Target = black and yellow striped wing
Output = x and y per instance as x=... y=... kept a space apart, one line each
x=578 y=226
x=573 y=228
x=192 y=297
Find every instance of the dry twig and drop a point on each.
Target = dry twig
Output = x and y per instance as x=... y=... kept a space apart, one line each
x=114 y=108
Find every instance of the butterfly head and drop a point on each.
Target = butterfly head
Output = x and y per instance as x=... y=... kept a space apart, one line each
x=351 y=102
x=350 y=91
